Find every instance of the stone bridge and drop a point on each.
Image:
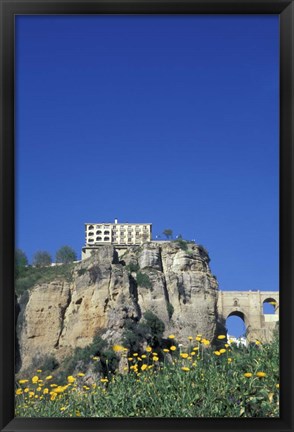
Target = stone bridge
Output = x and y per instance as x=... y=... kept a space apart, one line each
x=248 y=305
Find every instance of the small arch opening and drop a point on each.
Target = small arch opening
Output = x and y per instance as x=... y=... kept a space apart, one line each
x=106 y=238
x=269 y=306
x=98 y=238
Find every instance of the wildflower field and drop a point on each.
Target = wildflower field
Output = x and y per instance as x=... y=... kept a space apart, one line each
x=197 y=380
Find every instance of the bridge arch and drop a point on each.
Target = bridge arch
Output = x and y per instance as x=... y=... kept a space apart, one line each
x=237 y=312
x=266 y=303
x=248 y=305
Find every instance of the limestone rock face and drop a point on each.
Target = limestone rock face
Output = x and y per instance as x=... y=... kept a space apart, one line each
x=56 y=317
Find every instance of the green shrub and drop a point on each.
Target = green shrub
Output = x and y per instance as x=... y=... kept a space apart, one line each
x=82 y=271
x=182 y=243
x=170 y=310
x=143 y=280
x=133 y=267
x=31 y=276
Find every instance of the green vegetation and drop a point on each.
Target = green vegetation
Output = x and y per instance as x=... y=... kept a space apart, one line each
x=168 y=233
x=149 y=330
x=66 y=255
x=132 y=267
x=184 y=245
x=83 y=357
x=197 y=381
x=170 y=310
x=42 y=259
x=20 y=262
x=143 y=280
x=31 y=276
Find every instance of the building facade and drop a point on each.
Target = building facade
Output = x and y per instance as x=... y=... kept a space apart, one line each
x=117 y=234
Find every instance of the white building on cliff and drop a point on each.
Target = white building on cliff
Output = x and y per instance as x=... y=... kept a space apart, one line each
x=117 y=234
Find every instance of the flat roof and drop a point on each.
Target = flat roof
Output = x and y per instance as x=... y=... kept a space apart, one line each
x=118 y=223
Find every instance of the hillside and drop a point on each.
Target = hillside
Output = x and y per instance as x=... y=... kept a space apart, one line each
x=104 y=293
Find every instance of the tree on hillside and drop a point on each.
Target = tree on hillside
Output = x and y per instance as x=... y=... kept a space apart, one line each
x=168 y=233
x=42 y=259
x=20 y=261
x=20 y=258
x=65 y=255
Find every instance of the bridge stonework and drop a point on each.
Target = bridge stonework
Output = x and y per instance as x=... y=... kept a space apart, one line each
x=248 y=305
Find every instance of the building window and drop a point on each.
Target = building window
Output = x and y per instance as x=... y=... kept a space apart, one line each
x=90 y=227
x=106 y=238
x=90 y=240
x=98 y=238
x=98 y=232
x=106 y=232
x=90 y=233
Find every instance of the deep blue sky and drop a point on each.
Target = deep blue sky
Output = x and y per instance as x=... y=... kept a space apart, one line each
x=170 y=119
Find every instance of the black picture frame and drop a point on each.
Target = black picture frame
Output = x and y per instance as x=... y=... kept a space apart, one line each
x=10 y=8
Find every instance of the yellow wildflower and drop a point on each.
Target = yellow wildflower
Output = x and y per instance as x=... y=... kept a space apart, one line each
x=53 y=385
x=39 y=388
x=86 y=387
x=257 y=342
x=104 y=380
x=95 y=358
x=155 y=358
x=184 y=355
x=62 y=408
x=70 y=379
x=143 y=356
x=45 y=391
x=80 y=374
x=60 y=389
x=230 y=360
x=205 y=342
x=143 y=367
x=227 y=345
x=35 y=379
x=195 y=348
x=135 y=354
x=118 y=348
x=23 y=381
x=165 y=350
x=130 y=358
x=31 y=394
x=217 y=353
x=150 y=366
x=198 y=338
x=18 y=391
x=222 y=350
x=221 y=337
x=49 y=377
x=261 y=374
x=26 y=390
x=247 y=374
x=193 y=353
x=171 y=336
x=278 y=386
x=53 y=396
x=190 y=338
x=148 y=349
x=39 y=370
x=173 y=348
x=78 y=414
x=185 y=369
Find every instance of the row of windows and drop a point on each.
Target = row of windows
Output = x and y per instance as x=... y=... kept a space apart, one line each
x=130 y=227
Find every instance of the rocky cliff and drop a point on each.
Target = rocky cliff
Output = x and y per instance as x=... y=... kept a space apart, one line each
x=105 y=291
